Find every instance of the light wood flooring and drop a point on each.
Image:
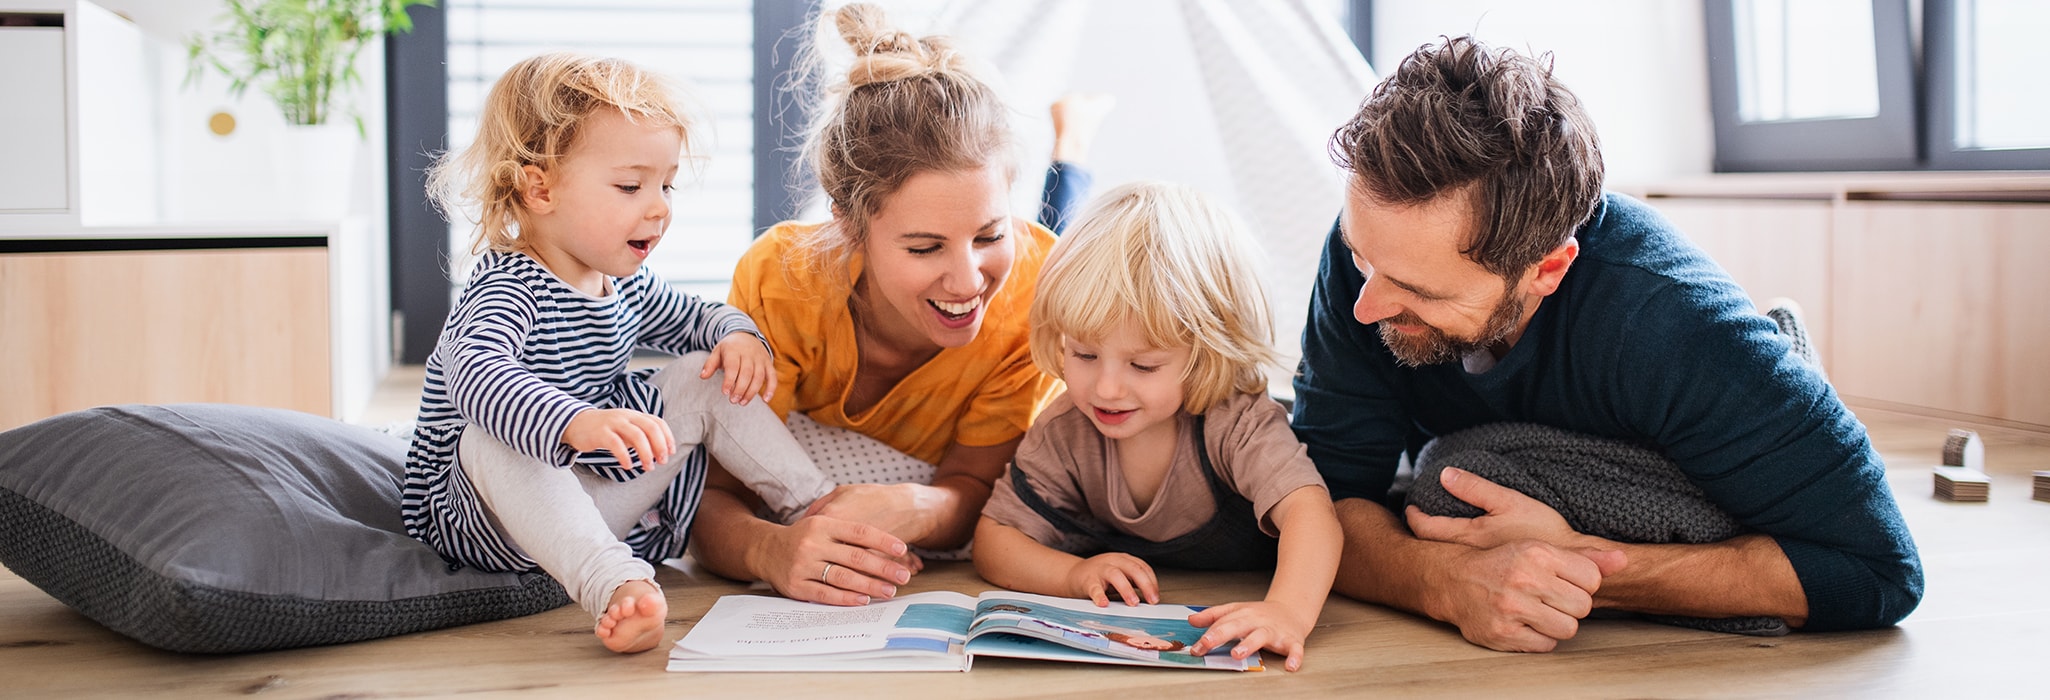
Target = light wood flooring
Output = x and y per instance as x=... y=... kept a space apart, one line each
x=1980 y=632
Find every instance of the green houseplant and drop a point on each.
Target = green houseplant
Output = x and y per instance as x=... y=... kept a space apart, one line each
x=302 y=53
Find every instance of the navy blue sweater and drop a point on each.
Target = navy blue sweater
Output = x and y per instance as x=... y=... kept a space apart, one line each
x=1646 y=340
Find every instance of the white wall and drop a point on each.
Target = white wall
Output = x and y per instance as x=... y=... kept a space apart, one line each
x=1640 y=67
x=232 y=180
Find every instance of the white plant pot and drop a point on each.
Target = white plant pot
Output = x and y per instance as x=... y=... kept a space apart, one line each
x=315 y=169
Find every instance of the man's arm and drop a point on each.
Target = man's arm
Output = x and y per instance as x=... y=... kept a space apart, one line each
x=1744 y=576
x=1768 y=441
x=1524 y=596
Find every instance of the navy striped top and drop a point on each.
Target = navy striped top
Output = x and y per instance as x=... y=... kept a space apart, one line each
x=521 y=354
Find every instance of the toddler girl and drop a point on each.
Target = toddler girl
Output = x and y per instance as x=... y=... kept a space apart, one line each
x=1165 y=450
x=536 y=448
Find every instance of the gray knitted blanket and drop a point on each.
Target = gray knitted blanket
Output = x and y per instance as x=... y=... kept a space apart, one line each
x=1602 y=487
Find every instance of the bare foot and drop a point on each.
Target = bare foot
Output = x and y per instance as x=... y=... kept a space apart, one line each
x=1076 y=118
x=633 y=622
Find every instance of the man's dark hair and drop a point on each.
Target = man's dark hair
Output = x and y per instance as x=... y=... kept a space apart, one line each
x=1458 y=114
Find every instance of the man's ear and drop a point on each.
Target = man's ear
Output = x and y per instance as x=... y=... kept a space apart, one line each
x=534 y=192
x=1550 y=270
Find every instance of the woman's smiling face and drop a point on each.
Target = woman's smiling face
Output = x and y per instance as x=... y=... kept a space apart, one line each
x=936 y=251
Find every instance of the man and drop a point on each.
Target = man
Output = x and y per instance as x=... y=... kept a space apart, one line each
x=1479 y=275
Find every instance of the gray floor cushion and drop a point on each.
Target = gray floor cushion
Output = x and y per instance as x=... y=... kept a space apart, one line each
x=214 y=528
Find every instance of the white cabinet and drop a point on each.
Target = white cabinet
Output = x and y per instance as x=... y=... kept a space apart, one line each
x=34 y=145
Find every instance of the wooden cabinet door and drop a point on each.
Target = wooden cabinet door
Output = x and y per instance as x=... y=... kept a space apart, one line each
x=236 y=326
x=1773 y=248
x=1945 y=306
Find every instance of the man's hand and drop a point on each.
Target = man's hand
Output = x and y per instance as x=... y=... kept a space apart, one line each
x=750 y=369
x=1522 y=596
x=1507 y=516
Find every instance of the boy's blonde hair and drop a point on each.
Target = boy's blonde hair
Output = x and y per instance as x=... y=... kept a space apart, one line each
x=1172 y=260
x=907 y=105
x=532 y=117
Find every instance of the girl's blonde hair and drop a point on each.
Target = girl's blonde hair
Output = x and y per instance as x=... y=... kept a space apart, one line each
x=907 y=105
x=532 y=117
x=1172 y=260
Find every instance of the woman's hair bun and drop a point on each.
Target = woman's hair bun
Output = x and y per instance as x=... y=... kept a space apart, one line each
x=866 y=30
x=883 y=53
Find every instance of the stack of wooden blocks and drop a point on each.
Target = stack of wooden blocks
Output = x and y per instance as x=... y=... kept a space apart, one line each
x=1962 y=476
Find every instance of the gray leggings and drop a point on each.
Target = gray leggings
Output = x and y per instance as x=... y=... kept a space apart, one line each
x=571 y=521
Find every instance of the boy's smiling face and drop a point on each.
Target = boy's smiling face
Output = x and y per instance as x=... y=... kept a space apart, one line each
x=1126 y=387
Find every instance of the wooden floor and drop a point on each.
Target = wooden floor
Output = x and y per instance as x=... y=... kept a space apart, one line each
x=1980 y=632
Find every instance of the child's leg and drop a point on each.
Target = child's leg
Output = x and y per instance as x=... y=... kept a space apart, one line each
x=569 y=521
x=747 y=440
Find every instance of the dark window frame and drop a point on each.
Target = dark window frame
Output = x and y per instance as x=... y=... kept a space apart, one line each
x=1887 y=141
x=1939 y=50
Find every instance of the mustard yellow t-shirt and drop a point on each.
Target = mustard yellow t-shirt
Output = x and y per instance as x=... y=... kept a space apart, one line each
x=983 y=393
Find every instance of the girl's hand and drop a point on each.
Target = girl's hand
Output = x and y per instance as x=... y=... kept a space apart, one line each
x=750 y=369
x=832 y=561
x=617 y=430
x=1261 y=625
x=1134 y=580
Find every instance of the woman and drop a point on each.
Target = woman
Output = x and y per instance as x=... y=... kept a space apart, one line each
x=903 y=319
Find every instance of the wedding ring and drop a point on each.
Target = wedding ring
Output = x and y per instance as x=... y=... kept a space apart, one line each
x=827 y=572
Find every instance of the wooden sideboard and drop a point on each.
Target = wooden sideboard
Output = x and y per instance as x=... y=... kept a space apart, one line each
x=258 y=317
x=1927 y=292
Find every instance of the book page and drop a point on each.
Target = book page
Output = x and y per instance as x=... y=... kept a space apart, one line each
x=771 y=626
x=1155 y=634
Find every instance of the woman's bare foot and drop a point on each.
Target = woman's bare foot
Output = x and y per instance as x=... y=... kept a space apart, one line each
x=1076 y=118
x=633 y=622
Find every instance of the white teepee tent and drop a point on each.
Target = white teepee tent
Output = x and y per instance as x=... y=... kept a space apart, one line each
x=1235 y=98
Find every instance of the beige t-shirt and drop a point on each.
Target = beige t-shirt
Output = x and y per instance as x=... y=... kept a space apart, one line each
x=1075 y=470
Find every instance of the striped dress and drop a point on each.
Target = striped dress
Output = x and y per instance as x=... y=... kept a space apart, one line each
x=522 y=353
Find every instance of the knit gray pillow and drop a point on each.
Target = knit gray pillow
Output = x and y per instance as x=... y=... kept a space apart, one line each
x=1606 y=488
x=214 y=528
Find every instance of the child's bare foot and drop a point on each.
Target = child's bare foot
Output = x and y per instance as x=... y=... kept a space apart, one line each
x=633 y=622
x=1076 y=118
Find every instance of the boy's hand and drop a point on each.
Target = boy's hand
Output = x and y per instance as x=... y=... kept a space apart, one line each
x=748 y=364
x=617 y=430
x=1131 y=576
x=1259 y=625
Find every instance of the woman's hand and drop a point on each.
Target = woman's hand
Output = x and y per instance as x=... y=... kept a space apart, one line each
x=832 y=561
x=1132 y=577
x=1260 y=625
x=749 y=367
x=617 y=430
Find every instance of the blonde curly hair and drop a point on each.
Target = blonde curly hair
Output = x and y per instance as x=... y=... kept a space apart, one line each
x=532 y=117
x=1179 y=265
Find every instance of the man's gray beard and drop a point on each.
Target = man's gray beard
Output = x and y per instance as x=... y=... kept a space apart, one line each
x=1434 y=346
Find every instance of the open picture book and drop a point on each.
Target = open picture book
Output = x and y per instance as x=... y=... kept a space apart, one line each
x=940 y=631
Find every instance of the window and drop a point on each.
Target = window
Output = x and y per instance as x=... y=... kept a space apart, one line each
x=705 y=45
x=1811 y=84
x=1832 y=84
x=1987 y=96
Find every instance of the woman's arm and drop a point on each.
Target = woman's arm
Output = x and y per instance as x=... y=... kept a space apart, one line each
x=867 y=563
x=938 y=516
